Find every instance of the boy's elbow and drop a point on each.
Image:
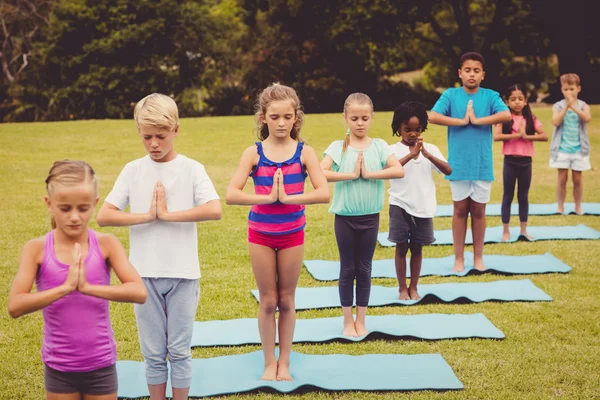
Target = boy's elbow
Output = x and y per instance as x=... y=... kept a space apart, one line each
x=506 y=117
x=217 y=213
x=142 y=295
x=101 y=219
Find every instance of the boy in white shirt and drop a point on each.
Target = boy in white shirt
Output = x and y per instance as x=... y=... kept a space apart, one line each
x=167 y=194
x=412 y=199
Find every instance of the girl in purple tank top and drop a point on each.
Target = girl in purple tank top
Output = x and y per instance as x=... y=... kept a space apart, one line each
x=278 y=165
x=71 y=268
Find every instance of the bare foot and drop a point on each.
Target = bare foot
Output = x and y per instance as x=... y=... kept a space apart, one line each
x=414 y=295
x=505 y=237
x=478 y=264
x=560 y=209
x=459 y=265
x=270 y=373
x=361 y=330
x=404 y=294
x=527 y=235
x=579 y=211
x=350 y=330
x=283 y=372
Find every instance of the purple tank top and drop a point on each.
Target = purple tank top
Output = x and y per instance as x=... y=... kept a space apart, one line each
x=78 y=336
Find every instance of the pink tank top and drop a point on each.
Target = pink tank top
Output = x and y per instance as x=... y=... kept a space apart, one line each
x=78 y=336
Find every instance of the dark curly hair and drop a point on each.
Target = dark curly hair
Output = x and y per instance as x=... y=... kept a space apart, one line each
x=406 y=111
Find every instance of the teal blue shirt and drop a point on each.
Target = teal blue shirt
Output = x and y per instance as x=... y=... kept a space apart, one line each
x=569 y=141
x=359 y=196
x=470 y=146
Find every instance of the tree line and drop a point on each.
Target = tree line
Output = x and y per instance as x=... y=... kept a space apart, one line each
x=81 y=59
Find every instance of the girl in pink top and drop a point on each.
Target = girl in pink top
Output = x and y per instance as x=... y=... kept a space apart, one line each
x=518 y=136
x=71 y=268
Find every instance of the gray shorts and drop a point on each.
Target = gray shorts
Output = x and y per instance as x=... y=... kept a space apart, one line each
x=101 y=381
x=405 y=227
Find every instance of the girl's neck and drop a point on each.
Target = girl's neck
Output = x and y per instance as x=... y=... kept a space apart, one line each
x=518 y=114
x=275 y=141
x=360 y=142
x=61 y=238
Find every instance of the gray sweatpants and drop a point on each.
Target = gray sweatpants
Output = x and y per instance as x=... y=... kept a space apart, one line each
x=165 y=324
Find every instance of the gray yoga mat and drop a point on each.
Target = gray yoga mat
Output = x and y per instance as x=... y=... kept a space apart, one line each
x=476 y=292
x=323 y=270
x=421 y=326
x=335 y=372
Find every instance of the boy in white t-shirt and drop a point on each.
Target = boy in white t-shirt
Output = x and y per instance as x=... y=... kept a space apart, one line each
x=412 y=199
x=167 y=194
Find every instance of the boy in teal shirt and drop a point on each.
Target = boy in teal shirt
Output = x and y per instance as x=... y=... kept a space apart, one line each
x=469 y=113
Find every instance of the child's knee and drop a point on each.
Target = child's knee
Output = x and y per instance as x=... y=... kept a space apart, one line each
x=478 y=211
x=268 y=303
x=286 y=303
x=461 y=212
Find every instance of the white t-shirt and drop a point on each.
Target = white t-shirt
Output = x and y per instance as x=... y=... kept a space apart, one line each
x=415 y=193
x=163 y=249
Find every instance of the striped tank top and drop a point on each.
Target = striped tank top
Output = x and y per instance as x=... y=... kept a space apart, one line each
x=570 y=142
x=278 y=218
x=78 y=336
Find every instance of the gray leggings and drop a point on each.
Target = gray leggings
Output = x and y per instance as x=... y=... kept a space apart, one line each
x=356 y=239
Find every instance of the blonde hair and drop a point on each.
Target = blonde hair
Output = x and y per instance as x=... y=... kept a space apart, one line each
x=70 y=173
x=355 y=98
x=569 y=79
x=277 y=92
x=156 y=110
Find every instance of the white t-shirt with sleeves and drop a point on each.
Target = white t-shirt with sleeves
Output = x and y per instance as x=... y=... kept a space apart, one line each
x=415 y=193
x=163 y=249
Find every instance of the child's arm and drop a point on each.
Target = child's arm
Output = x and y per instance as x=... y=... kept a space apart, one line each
x=110 y=215
x=413 y=151
x=130 y=290
x=498 y=118
x=584 y=114
x=317 y=178
x=499 y=136
x=20 y=299
x=540 y=134
x=441 y=165
x=440 y=119
x=333 y=176
x=392 y=170
x=209 y=207
x=440 y=112
x=559 y=116
x=235 y=194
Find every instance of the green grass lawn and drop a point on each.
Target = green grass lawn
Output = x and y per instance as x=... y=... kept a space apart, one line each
x=551 y=350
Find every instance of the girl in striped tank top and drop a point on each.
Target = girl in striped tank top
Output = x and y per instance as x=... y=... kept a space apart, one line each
x=71 y=268
x=278 y=166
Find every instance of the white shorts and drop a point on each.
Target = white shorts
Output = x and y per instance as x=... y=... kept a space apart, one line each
x=574 y=161
x=478 y=191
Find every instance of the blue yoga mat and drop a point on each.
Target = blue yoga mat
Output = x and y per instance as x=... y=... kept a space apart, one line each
x=534 y=209
x=422 y=326
x=533 y=264
x=476 y=292
x=494 y=234
x=241 y=373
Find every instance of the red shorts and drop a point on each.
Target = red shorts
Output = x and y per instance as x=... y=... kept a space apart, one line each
x=277 y=242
